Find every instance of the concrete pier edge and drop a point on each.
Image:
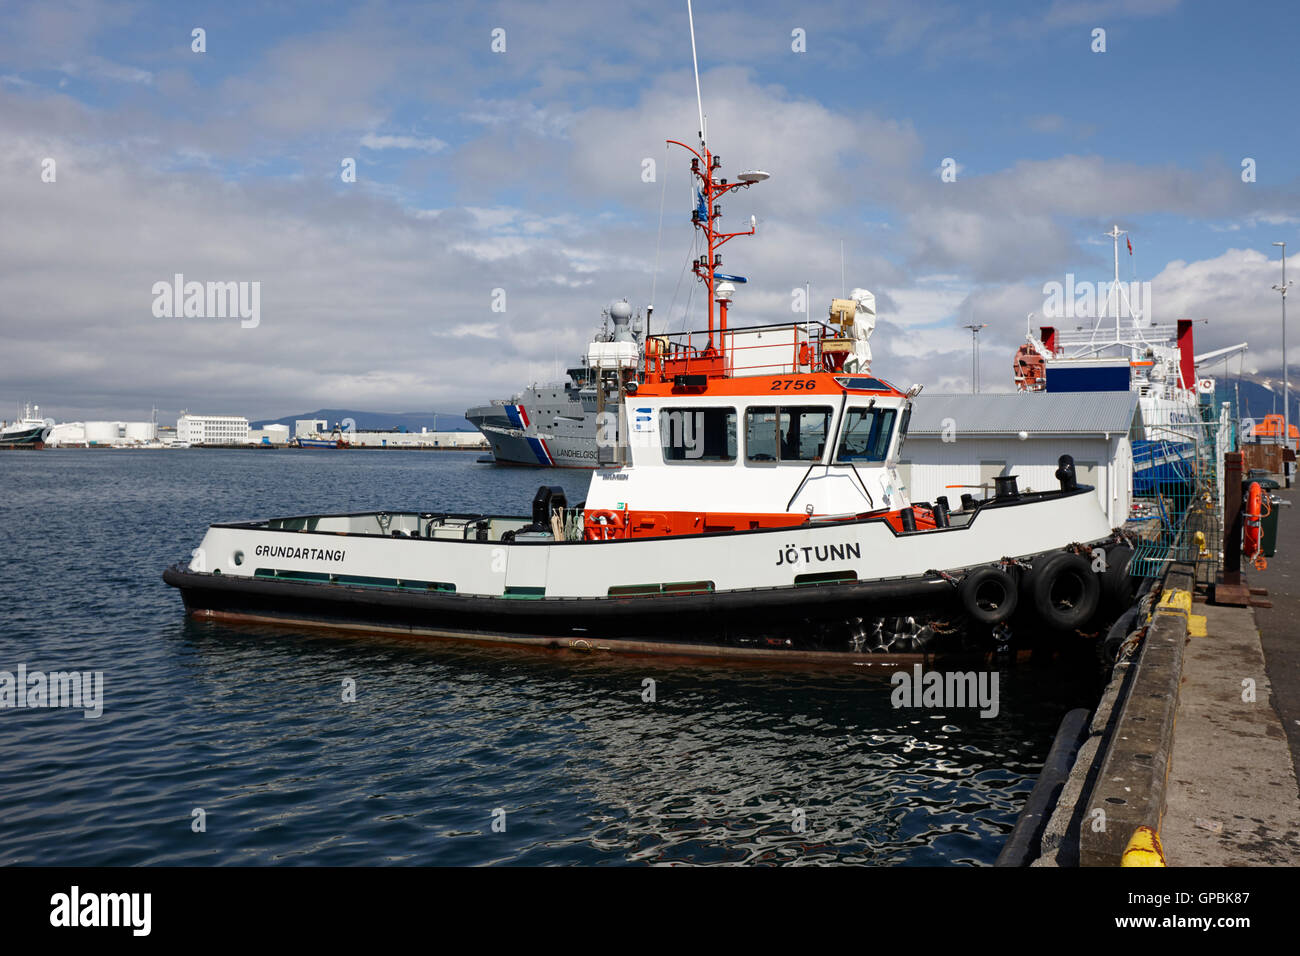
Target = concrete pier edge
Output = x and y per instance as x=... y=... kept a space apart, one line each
x=1118 y=780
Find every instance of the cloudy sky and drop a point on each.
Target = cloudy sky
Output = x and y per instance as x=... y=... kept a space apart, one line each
x=521 y=169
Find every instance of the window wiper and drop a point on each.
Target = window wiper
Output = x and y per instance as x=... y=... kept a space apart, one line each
x=870 y=500
x=843 y=402
x=801 y=484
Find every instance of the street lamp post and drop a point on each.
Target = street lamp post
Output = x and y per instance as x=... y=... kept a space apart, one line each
x=975 y=355
x=1286 y=390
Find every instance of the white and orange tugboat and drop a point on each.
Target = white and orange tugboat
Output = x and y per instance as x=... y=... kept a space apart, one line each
x=755 y=510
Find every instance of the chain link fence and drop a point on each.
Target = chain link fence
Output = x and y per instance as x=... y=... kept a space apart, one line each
x=1178 y=490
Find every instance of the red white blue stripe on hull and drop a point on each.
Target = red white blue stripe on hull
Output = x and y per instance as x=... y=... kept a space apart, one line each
x=518 y=417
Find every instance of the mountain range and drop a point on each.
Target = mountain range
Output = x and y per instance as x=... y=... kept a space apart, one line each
x=1260 y=394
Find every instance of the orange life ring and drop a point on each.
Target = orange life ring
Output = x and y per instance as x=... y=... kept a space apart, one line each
x=1254 y=512
x=598 y=530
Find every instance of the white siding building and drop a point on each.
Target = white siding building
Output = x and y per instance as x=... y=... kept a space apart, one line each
x=67 y=434
x=959 y=443
x=311 y=428
x=212 y=429
x=272 y=434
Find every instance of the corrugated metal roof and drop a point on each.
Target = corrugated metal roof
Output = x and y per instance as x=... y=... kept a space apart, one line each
x=1042 y=413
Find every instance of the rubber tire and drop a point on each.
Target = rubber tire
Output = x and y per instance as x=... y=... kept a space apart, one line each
x=1048 y=574
x=1117 y=585
x=1119 y=631
x=968 y=593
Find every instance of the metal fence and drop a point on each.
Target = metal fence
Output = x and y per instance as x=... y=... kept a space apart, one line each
x=1180 y=474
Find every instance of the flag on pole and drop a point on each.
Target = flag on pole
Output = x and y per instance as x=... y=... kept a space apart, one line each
x=1130 y=245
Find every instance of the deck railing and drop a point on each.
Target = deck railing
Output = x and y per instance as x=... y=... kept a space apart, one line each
x=811 y=347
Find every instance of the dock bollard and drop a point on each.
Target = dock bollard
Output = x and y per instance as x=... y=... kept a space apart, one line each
x=1144 y=849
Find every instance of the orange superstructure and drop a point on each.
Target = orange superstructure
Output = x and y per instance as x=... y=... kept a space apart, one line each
x=755 y=427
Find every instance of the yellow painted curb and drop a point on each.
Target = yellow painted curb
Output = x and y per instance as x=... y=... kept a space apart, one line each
x=1176 y=600
x=1196 y=626
x=1144 y=849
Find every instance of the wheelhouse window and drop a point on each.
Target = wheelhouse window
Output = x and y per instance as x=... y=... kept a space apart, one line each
x=698 y=434
x=866 y=434
x=786 y=433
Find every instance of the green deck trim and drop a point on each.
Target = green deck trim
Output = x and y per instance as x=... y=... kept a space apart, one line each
x=522 y=593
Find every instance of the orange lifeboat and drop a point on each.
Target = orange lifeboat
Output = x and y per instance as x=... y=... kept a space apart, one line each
x=1271 y=429
x=1029 y=369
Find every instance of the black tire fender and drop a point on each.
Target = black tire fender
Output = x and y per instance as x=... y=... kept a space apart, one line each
x=1064 y=590
x=989 y=595
x=1117 y=585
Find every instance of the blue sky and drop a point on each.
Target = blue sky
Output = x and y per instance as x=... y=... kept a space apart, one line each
x=520 y=170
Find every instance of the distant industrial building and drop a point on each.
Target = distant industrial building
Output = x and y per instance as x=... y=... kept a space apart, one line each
x=421 y=439
x=86 y=434
x=311 y=428
x=212 y=429
x=959 y=443
x=319 y=428
x=270 y=435
x=67 y=435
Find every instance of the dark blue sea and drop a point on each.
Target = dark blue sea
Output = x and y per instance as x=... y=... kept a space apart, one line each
x=249 y=724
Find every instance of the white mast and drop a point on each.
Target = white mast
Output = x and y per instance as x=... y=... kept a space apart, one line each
x=1118 y=292
x=699 y=100
x=1115 y=233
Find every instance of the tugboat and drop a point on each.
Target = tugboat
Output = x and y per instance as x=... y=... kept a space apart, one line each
x=753 y=510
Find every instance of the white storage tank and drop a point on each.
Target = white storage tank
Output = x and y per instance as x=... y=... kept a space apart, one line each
x=141 y=432
x=103 y=433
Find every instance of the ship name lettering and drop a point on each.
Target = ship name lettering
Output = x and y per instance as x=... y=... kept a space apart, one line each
x=302 y=554
x=793 y=554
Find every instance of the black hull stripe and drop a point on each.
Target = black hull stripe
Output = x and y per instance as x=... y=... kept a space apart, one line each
x=826 y=601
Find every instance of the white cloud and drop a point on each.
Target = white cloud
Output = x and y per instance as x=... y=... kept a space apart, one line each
x=428 y=144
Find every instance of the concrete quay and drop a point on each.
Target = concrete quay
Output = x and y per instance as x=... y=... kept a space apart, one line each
x=1197 y=735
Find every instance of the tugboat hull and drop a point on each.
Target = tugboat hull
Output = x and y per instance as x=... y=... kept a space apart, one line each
x=741 y=624
x=814 y=589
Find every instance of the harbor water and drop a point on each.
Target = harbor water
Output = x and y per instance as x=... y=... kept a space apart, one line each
x=235 y=745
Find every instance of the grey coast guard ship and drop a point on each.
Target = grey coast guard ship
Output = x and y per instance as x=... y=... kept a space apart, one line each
x=557 y=425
